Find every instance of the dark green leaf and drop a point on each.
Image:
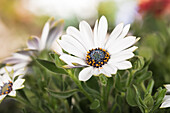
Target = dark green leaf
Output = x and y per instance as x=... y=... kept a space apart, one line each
x=91 y=91
x=51 y=66
x=130 y=94
x=23 y=95
x=95 y=104
x=62 y=94
x=120 y=85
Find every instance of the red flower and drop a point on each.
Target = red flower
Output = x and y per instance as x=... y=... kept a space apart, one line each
x=156 y=7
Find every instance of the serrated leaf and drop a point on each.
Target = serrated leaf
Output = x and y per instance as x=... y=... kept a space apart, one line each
x=51 y=66
x=95 y=104
x=62 y=94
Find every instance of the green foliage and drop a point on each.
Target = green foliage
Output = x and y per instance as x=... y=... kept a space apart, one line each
x=62 y=94
x=51 y=66
x=95 y=104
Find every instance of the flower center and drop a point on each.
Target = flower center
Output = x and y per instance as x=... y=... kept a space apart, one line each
x=6 y=88
x=97 y=57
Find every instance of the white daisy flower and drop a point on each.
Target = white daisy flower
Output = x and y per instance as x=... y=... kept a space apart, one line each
x=95 y=51
x=51 y=31
x=8 y=84
x=166 y=100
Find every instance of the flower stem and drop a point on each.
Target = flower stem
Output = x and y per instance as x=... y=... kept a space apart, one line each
x=74 y=78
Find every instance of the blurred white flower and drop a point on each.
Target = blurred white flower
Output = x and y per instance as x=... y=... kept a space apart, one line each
x=64 y=8
x=166 y=100
x=127 y=11
x=96 y=52
x=19 y=60
x=9 y=85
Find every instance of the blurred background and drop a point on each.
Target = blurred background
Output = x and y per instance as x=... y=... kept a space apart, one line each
x=149 y=19
x=21 y=18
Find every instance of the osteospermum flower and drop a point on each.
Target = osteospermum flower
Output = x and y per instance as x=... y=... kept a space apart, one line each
x=95 y=51
x=166 y=100
x=51 y=31
x=9 y=85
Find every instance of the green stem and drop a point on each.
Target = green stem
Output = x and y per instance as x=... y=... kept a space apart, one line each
x=65 y=102
x=143 y=87
x=74 y=78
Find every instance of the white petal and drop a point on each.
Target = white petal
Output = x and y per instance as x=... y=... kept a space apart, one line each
x=122 y=44
x=96 y=71
x=17 y=58
x=54 y=33
x=14 y=67
x=19 y=66
x=86 y=34
x=166 y=102
x=123 y=65
x=71 y=59
x=125 y=31
x=102 y=30
x=2 y=70
x=33 y=43
x=12 y=60
x=19 y=72
x=12 y=93
x=86 y=74
x=74 y=42
x=167 y=86
x=107 y=74
x=115 y=33
x=96 y=39
x=131 y=49
x=6 y=78
x=57 y=48
x=2 y=97
x=44 y=35
x=18 y=84
x=76 y=34
x=110 y=68
x=121 y=56
x=1 y=81
x=70 y=48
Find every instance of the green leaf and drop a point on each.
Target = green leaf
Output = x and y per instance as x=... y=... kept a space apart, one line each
x=63 y=94
x=149 y=87
x=51 y=66
x=149 y=102
x=130 y=94
x=120 y=85
x=103 y=79
x=23 y=95
x=158 y=97
x=95 y=104
x=91 y=91
x=139 y=101
x=138 y=62
x=144 y=77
